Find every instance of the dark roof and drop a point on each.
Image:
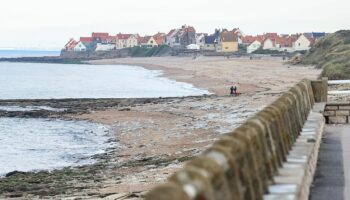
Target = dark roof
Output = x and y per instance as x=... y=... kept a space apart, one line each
x=228 y=36
x=211 y=39
x=318 y=34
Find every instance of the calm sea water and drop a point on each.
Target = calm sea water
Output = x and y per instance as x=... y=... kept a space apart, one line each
x=47 y=81
x=26 y=53
x=41 y=144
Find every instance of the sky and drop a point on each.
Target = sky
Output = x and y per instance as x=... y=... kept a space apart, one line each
x=48 y=24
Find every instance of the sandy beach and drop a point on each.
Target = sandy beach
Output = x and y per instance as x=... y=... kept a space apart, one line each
x=155 y=138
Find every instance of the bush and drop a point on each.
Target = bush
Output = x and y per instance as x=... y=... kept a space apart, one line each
x=268 y=51
x=336 y=71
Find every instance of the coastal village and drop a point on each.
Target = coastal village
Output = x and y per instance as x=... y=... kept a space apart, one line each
x=186 y=38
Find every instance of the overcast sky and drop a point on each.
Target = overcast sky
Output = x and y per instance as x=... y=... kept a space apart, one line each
x=50 y=23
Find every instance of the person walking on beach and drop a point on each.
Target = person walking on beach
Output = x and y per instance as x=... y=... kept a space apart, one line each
x=231 y=90
x=235 y=90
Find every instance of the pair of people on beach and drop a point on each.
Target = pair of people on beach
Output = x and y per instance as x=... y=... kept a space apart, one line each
x=233 y=90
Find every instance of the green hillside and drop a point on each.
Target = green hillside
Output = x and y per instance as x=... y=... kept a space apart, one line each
x=332 y=53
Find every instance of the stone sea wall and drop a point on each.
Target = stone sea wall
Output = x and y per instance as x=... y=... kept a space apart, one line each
x=271 y=156
x=337 y=113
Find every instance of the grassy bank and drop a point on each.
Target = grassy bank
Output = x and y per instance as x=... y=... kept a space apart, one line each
x=332 y=54
x=149 y=52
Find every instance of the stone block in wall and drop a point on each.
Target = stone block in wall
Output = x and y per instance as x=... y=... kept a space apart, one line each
x=320 y=89
x=168 y=191
x=337 y=119
x=344 y=107
x=342 y=113
x=329 y=113
x=332 y=107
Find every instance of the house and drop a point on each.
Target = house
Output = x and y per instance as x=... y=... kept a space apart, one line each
x=126 y=40
x=70 y=45
x=89 y=43
x=187 y=35
x=193 y=47
x=122 y=40
x=228 y=42
x=101 y=37
x=268 y=44
x=105 y=47
x=211 y=42
x=171 y=38
x=248 y=40
x=182 y=37
x=254 y=46
x=148 y=41
x=239 y=34
x=159 y=38
x=285 y=43
x=132 y=41
x=200 y=40
x=271 y=36
x=302 y=43
x=80 y=47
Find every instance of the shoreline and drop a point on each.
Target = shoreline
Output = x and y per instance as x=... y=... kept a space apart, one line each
x=157 y=136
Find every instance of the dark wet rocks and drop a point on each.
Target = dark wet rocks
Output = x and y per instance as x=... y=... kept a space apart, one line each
x=61 y=107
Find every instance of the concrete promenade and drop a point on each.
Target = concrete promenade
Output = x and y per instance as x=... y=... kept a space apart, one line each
x=332 y=178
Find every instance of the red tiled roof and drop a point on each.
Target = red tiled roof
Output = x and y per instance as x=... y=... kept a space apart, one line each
x=248 y=39
x=86 y=39
x=123 y=36
x=71 y=44
x=100 y=35
x=171 y=32
x=144 y=40
x=312 y=40
x=271 y=35
x=159 y=38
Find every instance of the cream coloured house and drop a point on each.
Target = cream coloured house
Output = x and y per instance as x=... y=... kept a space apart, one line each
x=148 y=41
x=132 y=41
x=268 y=44
x=302 y=44
x=227 y=42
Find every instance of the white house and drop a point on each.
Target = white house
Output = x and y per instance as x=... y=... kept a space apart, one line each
x=193 y=47
x=268 y=44
x=302 y=43
x=253 y=46
x=200 y=40
x=80 y=47
x=105 y=47
x=171 y=38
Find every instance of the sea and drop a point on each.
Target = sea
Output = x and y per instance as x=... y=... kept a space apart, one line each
x=46 y=144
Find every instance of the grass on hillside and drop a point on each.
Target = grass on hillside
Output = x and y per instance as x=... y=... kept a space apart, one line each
x=332 y=54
